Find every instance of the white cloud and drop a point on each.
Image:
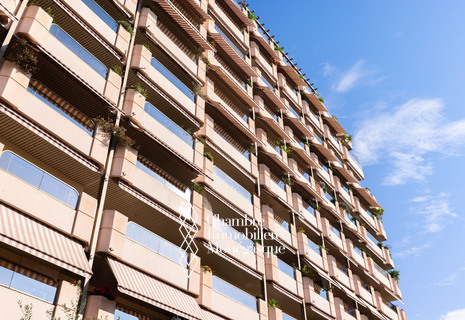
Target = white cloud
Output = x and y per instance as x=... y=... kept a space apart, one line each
x=399 y=34
x=354 y=76
x=411 y=251
x=436 y=211
x=405 y=136
x=328 y=69
x=454 y=315
x=450 y=280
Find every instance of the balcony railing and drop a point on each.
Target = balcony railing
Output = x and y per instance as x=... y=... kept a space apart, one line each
x=40 y=179
x=312 y=245
x=245 y=153
x=78 y=50
x=229 y=41
x=101 y=14
x=168 y=124
x=234 y=293
x=63 y=113
x=232 y=183
x=232 y=233
x=156 y=243
x=173 y=79
x=287 y=269
x=184 y=194
x=288 y=317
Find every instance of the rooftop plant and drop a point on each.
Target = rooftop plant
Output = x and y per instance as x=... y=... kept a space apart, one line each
x=252 y=16
x=394 y=274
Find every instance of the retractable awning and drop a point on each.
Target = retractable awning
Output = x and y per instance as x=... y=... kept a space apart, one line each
x=26 y=234
x=144 y=287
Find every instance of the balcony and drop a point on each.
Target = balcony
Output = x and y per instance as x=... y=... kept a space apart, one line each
x=165 y=129
x=232 y=301
x=261 y=61
x=48 y=199
x=93 y=143
x=354 y=164
x=148 y=21
x=355 y=253
x=283 y=274
x=102 y=23
x=129 y=6
x=367 y=217
x=315 y=296
x=148 y=251
x=290 y=94
x=311 y=250
x=281 y=229
x=232 y=191
x=237 y=34
x=233 y=242
x=363 y=290
x=311 y=215
x=388 y=309
x=169 y=83
x=332 y=234
x=139 y=173
x=372 y=245
x=339 y=272
x=379 y=273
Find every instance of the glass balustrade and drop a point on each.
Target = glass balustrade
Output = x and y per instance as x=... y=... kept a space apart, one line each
x=312 y=245
x=234 y=293
x=267 y=83
x=232 y=233
x=101 y=14
x=156 y=243
x=62 y=112
x=229 y=41
x=78 y=50
x=294 y=113
x=232 y=183
x=288 y=317
x=186 y=194
x=335 y=231
x=38 y=178
x=172 y=78
x=169 y=124
x=287 y=269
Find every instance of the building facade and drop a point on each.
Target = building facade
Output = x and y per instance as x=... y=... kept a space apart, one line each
x=164 y=159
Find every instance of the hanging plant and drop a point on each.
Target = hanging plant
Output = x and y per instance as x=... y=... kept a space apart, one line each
x=126 y=25
x=309 y=272
x=322 y=247
x=198 y=91
x=139 y=89
x=288 y=181
x=119 y=133
x=208 y=155
x=23 y=56
x=197 y=188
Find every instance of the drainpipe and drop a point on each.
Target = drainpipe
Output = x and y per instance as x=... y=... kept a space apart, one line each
x=12 y=29
x=106 y=177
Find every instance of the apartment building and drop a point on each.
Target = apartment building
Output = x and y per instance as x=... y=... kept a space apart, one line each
x=163 y=159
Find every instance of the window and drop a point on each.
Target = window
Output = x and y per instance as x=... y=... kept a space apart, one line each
x=156 y=243
x=78 y=50
x=21 y=279
x=38 y=178
x=234 y=293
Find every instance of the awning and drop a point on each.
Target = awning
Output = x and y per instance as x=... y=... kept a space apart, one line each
x=42 y=241
x=141 y=286
x=208 y=315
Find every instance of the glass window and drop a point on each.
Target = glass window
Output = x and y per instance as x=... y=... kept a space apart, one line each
x=27 y=285
x=156 y=243
x=234 y=293
x=172 y=78
x=287 y=269
x=5 y=276
x=78 y=50
x=101 y=14
x=169 y=124
x=232 y=183
x=39 y=178
x=120 y=315
x=60 y=111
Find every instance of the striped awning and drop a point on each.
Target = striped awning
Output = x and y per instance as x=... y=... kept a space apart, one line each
x=208 y=315
x=42 y=241
x=47 y=137
x=141 y=286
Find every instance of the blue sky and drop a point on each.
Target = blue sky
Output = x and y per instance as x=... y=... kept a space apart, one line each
x=394 y=74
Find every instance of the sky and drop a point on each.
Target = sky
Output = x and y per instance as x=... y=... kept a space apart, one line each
x=393 y=72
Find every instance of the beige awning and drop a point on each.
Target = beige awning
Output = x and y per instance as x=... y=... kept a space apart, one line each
x=31 y=236
x=144 y=287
